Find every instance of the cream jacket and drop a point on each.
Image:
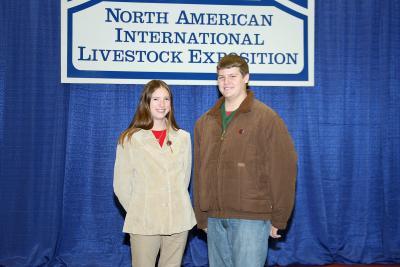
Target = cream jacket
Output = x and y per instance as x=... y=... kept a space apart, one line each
x=151 y=183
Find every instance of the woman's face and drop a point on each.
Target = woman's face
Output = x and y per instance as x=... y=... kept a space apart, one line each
x=160 y=104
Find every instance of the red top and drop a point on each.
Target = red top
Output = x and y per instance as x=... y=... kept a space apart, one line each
x=160 y=136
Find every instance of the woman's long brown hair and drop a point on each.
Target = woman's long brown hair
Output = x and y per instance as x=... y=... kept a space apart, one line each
x=142 y=118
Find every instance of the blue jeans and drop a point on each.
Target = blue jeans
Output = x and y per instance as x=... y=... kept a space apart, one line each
x=237 y=242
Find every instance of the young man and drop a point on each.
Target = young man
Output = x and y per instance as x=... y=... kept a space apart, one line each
x=245 y=171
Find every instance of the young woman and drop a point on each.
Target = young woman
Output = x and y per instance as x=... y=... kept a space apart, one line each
x=151 y=179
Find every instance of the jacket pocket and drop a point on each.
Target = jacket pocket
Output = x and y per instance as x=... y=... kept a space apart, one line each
x=253 y=194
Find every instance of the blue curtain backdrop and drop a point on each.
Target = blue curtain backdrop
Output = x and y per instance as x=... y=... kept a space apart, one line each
x=57 y=206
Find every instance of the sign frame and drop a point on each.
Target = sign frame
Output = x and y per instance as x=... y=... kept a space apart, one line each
x=71 y=74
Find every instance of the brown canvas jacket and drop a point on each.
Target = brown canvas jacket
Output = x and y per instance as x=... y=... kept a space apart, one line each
x=250 y=172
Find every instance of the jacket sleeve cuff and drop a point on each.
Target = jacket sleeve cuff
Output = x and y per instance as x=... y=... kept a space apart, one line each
x=202 y=219
x=279 y=225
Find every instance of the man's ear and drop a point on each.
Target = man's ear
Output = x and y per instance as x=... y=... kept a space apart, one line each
x=247 y=77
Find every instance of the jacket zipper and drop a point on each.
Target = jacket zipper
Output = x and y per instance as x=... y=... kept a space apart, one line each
x=219 y=182
x=219 y=179
x=223 y=135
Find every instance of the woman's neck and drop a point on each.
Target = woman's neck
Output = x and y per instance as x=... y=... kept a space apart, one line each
x=159 y=125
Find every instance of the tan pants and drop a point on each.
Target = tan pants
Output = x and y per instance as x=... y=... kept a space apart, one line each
x=145 y=249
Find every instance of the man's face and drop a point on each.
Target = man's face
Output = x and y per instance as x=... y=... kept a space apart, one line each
x=232 y=84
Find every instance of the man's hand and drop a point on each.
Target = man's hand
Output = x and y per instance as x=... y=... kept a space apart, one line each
x=274 y=232
x=205 y=230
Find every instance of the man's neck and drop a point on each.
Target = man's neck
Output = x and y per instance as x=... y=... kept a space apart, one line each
x=233 y=104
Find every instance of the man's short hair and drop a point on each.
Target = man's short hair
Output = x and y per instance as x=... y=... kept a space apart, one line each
x=231 y=61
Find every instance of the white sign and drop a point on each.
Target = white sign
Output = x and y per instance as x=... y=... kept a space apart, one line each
x=181 y=43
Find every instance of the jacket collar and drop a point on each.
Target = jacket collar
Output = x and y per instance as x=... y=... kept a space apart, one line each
x=243 y=108
x=149 y=139
x=170 y=134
